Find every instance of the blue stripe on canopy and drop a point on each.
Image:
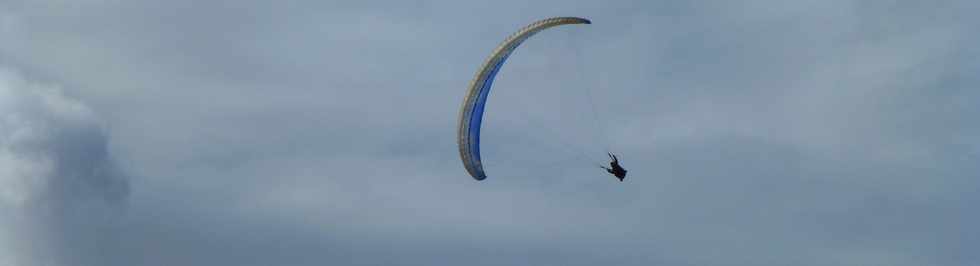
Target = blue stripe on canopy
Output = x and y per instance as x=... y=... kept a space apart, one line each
x=476 y=119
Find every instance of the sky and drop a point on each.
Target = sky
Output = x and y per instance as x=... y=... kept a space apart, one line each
x=757 y=132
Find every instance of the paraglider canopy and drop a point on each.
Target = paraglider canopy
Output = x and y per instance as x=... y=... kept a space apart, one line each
x=471 y=113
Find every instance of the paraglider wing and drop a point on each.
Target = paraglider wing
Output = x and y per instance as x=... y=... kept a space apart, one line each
x=471 y=114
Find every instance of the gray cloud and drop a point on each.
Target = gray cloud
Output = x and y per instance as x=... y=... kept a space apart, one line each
x=310 y=133
x=57 y=176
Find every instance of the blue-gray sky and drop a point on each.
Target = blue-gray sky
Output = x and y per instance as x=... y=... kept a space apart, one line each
x=757 y=132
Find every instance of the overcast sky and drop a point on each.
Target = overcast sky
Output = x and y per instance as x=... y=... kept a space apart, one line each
x=760 y=132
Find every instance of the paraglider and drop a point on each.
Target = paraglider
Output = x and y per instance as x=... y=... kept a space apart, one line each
x=471 y=113
x=614 y=167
